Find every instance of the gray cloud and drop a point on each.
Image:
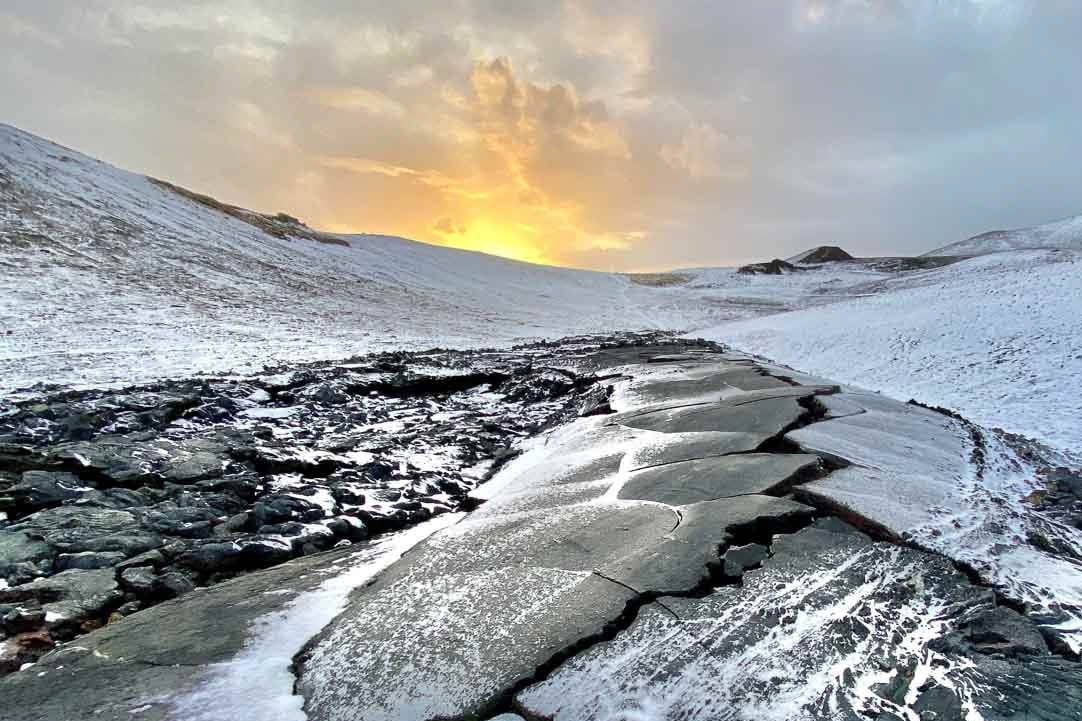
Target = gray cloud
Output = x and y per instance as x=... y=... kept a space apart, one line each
x=699 y=133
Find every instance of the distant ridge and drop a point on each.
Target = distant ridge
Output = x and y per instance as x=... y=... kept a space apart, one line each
x=1065 y=234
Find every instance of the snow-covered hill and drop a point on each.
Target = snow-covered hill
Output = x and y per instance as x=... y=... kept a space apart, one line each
x=1065 y=233
x=995 y=337
x=107 y=277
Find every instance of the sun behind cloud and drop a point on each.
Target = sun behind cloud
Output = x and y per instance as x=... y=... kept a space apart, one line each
x=527 y=171
x=507 y=240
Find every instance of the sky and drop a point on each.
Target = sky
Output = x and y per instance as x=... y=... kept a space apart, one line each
x=628 y=135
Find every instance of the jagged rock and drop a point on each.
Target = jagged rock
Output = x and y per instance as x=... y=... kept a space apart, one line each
x=740 y=558
x=149 y=585
x=938 y=703
x=66 y=527
x=244 y=487
x=115 y=458
x=21 y=619
x=88 y=560
x=348 y=527
x=772 y=267
x=259 y=552
x=1067 y=481
x=897 y=687
x=71 y=599
x=1004 y=630
x=596 y=403
x=17 y=548
x=822 y=254
x=212 y=557
x=153 y=557
x=174 y=584
x=116 y=498
x=139 y=580
x=382 y=520
x=128 y=544
x=327 y=393
x=23 y=648
x=238 y=523
x=195 y=460
x=41 y=489
x=183 y=522
x=220 y=504
x=277 y=509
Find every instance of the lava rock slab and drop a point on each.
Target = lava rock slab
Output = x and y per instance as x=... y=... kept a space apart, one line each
x=707 y=479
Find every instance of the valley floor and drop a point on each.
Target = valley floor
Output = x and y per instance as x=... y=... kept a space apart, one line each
x=700 y=534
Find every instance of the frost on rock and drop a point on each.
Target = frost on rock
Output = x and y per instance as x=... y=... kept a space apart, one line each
x=257 y=684
x=833 y=626
x=766 y=546
x=954 y=488
x=626 y=569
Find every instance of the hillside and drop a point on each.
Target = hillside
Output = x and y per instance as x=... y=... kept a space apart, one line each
x=1063 y=234
x=995 y=337
x=109 y=277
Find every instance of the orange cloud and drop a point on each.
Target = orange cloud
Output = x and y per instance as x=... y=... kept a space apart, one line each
x=533 y=172
x=355 y=98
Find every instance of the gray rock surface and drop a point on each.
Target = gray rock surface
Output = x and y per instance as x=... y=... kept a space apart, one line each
x=829 y=612
x=676 y=559
x=134 y=667
x=769 y=416
x=708 y=479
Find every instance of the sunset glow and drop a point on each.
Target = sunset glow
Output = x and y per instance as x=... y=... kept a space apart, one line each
x=614 y=136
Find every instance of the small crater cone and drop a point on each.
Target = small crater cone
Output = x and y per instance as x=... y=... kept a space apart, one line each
x=822 y=254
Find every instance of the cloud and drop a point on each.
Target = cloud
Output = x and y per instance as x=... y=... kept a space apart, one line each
x=447 y=226
x=621 y=134
x=700 y=154
x=356 y=99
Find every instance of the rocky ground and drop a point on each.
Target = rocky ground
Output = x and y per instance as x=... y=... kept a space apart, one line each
x=739 y=542
x=696 y=534
x=111 y=502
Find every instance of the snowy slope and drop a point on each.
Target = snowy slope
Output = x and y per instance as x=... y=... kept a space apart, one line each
x=109 y=278
x=1065 y=233
x=106 y=277
x=996 y=337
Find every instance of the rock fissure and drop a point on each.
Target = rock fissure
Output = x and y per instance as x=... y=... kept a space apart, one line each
x=561 y=568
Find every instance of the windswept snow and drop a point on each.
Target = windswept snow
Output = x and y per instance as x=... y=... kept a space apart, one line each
x=108 y=278
x=997 y=338
x=1065 y=233
x=257 y=685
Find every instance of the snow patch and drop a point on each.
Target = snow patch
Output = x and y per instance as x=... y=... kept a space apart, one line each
x=257 y=685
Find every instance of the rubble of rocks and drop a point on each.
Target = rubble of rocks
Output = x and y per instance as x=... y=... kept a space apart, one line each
x=113 y=501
